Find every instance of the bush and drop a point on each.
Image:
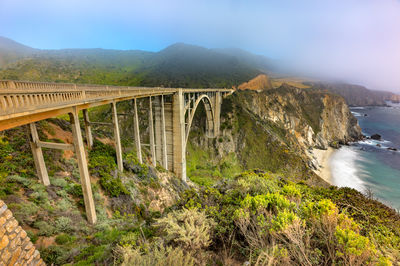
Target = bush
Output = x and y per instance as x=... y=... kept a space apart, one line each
x=102 y=164
x=63 y=224
x=59 y=182
x=64 y=239
x=188 y=228
x=132 y=163
x=155 y=256
x=45 y=229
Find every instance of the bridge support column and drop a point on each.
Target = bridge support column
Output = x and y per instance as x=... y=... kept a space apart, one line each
x=117 y=138
x=88 y=128
x=178 y=129
x=136 y=131
x=217 y=113
x=83 y=168
x=158 y=130
x=164 y=135
x=151 y=132
x=38 y=155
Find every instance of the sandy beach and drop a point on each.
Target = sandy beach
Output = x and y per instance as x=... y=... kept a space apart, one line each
x=323 y=159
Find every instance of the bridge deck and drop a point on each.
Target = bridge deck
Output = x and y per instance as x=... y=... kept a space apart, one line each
x=26 y=102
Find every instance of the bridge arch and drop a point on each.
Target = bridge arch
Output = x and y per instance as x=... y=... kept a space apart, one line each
x=190 y=112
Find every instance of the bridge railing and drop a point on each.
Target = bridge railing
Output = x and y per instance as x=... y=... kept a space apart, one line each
x=22 y=96
x=19 y=96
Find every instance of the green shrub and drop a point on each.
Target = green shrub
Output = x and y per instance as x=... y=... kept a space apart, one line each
x=65 y=239
x=64 y=224
x=253 y=184
x=113 y=186
x=40 y=197
x=24 y=212
x=189 y=228
x=140 y=169
x=353 y=248
x=75 y=190
x=291 y=190
x=282 y=220
x=156 y=256
x=102 y=164
x=32 y=236
x=54 y=255
x=59 y=182
x=19 y=179
x=45 y=229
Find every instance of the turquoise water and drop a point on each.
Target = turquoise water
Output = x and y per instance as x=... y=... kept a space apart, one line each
x=366 y=166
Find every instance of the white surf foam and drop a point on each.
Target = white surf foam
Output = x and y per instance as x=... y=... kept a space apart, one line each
x=345 y=172
x=356 y=114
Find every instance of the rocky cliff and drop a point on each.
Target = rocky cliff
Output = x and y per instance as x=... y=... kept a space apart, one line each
x=274 y=129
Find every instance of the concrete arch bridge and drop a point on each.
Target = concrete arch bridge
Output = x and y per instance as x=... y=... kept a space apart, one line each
x=171 y=112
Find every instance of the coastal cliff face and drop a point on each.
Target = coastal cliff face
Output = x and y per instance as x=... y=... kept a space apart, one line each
x=315 y=119
x=274 y=129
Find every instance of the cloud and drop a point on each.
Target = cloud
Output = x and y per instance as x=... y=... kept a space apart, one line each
x=351 y=40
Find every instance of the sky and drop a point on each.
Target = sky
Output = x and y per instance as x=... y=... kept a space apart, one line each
x=355 y=41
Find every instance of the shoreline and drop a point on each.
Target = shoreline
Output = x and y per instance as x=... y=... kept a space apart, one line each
x=323 y=158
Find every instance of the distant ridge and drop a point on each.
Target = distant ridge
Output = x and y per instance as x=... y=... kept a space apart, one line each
x=178 y=65
x=11 y=51
x=356 y=95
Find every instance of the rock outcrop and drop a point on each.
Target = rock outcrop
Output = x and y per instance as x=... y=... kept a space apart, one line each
x=261 y=82
x=315 y=119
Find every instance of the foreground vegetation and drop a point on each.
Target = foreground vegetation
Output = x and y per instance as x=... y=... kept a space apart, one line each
x=256 y=216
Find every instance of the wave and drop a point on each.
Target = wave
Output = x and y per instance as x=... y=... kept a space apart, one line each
x=357 y=107
x=356 y=114
x=345 y=170
x=374 y=143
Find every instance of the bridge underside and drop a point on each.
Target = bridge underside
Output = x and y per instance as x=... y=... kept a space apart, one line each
x=171 y=112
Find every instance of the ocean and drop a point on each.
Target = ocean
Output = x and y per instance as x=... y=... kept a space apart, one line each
x=368 y=165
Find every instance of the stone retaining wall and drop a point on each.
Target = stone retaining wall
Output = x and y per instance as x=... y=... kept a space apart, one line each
x=15 y=246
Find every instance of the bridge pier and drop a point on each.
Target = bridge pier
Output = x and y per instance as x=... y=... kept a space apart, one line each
x=217 y=113
x=178 y=131
x=117 y=138
x=37 y=152
x=151 y=133
x=83 y=167
x=164 y=135
x=88 y=129
x=136 y=131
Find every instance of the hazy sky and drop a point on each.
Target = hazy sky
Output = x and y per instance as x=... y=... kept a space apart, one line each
x=351 y=40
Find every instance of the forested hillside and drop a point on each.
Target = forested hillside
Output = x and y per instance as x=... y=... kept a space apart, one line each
x=178 y=65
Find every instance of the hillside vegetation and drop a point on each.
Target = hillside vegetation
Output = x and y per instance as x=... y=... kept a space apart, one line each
x=148 y=217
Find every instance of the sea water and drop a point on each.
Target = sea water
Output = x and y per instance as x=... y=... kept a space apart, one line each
x=368 y=165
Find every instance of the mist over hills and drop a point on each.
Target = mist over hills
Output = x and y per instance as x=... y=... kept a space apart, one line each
x=178 y=65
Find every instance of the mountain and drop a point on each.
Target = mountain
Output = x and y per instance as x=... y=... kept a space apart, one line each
x=179 y=65
x=194 y=66
x=11 y=51
x=356 y=95
x=261 y=62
